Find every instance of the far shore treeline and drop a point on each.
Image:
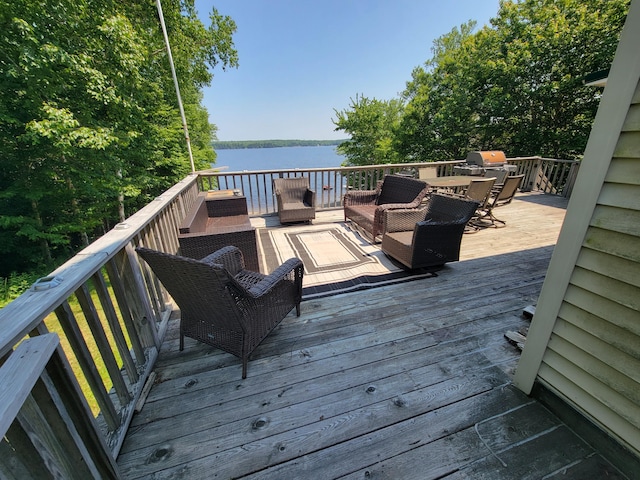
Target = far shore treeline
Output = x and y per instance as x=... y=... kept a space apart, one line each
x=235 y=144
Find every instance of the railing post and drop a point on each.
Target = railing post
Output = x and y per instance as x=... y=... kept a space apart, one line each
x=571 y=180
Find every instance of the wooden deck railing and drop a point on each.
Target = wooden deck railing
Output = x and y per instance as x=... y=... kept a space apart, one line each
x=547 y=174
x=330 y=184
x=66 y=406
x=111 y=315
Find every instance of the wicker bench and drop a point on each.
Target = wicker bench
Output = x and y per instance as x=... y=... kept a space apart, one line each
x=366 y=208
x=215 y=222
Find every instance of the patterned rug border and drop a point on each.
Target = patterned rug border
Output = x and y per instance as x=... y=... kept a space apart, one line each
x=362 y=282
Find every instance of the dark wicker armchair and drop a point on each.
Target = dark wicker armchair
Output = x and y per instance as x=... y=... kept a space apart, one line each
x=296 y=201
x=224 y=305
x=429 y=237
x=366 y=207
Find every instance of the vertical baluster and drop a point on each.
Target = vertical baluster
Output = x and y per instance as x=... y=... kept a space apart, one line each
x=85 y=360
x=102 y=342
x=114 y=324
x=125 y=311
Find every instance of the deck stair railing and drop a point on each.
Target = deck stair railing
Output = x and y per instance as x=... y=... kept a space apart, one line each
x=547 y=174
x=67 y=398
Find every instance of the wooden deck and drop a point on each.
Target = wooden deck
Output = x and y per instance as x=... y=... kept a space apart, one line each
x=405 y=381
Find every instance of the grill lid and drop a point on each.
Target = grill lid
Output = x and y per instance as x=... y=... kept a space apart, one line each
x=489 y=158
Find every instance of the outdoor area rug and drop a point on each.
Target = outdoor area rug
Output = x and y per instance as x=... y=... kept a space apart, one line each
x=336 y=259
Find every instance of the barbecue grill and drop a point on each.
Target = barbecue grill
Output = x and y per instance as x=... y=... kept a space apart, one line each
x=479 y=162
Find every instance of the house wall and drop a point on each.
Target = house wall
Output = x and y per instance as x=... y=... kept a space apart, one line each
x=593 y=354
x=584 y=341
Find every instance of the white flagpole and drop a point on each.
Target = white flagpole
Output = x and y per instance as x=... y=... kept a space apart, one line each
x=175 y=81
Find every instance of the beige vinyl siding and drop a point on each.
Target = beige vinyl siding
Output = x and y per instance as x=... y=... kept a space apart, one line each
x=592 y=358
x=587 y=402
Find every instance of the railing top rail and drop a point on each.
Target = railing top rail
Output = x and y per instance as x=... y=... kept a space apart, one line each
x=515 y=159
x=559 y=160
x=24 y=313
x=206 y=173
x=546 y=159
x=328 y=169
x=20 y=373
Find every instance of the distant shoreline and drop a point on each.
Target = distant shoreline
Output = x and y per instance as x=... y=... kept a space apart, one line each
x=238 y=144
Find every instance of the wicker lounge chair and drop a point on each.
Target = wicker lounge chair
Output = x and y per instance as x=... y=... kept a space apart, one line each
x=433 y=240
x=365 y=208
x=224 y=305
x=499 y=198
x=296 y=201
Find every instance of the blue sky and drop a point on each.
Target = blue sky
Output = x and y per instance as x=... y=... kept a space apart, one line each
x=302 y=59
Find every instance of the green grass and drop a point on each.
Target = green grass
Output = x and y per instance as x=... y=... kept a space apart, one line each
x=16 y=284
x=53 y=325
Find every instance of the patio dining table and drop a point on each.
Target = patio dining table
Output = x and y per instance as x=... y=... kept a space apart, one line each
x=453 y=181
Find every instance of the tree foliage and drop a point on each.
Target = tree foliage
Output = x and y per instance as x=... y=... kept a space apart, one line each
x=89 y=123
x=515 y=85
x=371 y=123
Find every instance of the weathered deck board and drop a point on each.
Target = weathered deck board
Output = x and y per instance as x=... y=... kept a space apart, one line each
x=405 y=381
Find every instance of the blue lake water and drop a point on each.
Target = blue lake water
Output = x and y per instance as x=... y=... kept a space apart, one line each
x=238 y=160
x=259 y=191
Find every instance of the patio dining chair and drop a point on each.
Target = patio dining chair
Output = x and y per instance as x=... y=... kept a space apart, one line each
x=479 y=189
x=296 y=201
x=504 y=196
x=427 y=172
x=499 y=175
x=224 y=305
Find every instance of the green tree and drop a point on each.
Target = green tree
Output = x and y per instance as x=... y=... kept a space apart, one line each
x=89 y=124
x=371 y=124
x=515 y=85
x=441 y=104
x=547 y=47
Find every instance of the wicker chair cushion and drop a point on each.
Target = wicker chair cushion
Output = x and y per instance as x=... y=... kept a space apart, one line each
x=398 y=246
